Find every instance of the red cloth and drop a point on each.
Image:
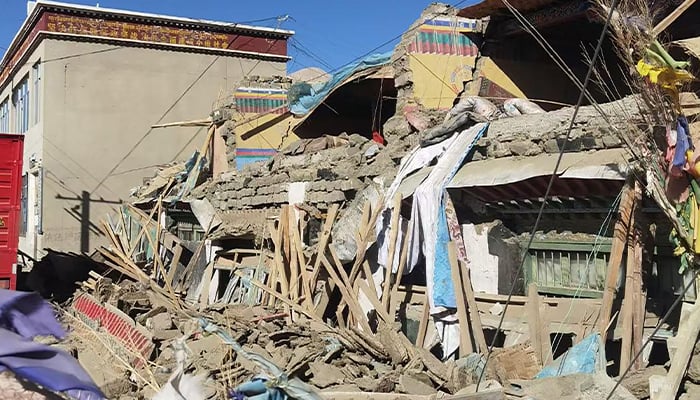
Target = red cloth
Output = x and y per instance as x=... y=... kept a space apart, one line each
x=377 y=137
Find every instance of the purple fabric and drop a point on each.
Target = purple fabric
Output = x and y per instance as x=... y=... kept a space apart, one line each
x=28 y=315
x=682 y=142
x=23 y=316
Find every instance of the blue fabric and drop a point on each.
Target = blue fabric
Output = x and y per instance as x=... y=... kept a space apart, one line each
x=307 y=103
x=443 y=288
x=28 y=315
x=580 y=359
x=256 y=389
x=682 y=142
x=23 y=316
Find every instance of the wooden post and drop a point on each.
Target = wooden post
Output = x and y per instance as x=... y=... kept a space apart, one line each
x=423 y=326
x=473 y=309
x=618 y=247
x=465 y=342
x=633 y=287
x=539 y=334
x=640 y=295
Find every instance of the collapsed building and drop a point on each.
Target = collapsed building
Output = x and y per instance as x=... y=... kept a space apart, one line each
x=413 y=232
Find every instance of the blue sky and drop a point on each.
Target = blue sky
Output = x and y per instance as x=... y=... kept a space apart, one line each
x=329 y=33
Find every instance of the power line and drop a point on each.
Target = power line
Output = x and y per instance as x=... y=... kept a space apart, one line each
x=150 y=129
x=305 y=50
x=148 y=132
x=581 y=97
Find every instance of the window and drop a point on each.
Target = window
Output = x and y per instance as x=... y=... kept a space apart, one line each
x=20 y=101
x=189 y=231
x=5 y=116
x=36 y=81
x=568 y=267
x=24 y=213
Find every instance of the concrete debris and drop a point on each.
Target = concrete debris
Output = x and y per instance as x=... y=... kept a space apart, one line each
x=638 y=382
x=571 y=387
x=224 y=274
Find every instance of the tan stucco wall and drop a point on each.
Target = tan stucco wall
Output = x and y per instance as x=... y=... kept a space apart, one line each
x=99 y=105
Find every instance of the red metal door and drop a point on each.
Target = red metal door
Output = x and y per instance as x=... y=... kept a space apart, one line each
x=11 y=147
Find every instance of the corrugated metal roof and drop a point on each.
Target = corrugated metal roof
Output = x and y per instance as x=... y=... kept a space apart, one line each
x=490 y=7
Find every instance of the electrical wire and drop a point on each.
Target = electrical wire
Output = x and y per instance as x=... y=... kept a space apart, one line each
x=581 y=97
x=148 y=132
x=150 y=129
x=306 y=51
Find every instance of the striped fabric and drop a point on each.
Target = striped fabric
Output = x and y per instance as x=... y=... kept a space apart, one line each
x=260 y=100
x=248 y=156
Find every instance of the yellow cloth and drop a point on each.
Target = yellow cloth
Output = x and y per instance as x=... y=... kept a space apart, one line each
x=666 y=77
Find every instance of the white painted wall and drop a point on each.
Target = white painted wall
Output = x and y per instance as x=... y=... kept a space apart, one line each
x=482 y=264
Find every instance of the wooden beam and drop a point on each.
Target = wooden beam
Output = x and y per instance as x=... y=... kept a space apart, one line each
x=473 y=310
x=280 y=297
x=539 y=335
x=465 y=340
x=640 y=295
x=423 y=326
x=672 y=17
x=323 y=242
x=620 y=234
x=394 y=228
x=633 y=286
x=192 y=123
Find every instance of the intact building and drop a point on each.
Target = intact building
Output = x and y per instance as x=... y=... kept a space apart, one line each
x=86 y=84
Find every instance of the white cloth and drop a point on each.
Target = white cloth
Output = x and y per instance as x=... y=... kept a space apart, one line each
x=418 y=158
x=427 y=201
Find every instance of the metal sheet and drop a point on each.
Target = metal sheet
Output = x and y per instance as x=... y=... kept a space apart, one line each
x=603 y=164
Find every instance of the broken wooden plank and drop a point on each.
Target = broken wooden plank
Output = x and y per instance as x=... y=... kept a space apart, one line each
x=280 y=297
x=633 y=284
x=473 y=309
x=619 y=243
x=394 y=228
x=403 y=258
x=423 y=325
x=539 y=335
x=465 y=339
x=323 y=241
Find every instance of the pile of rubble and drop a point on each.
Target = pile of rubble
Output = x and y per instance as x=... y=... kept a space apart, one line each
x=329 y=359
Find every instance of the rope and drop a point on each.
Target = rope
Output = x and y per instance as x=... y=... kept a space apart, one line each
x=582 y=95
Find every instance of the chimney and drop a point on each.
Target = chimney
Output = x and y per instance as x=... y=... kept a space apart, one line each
x=30 y=7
